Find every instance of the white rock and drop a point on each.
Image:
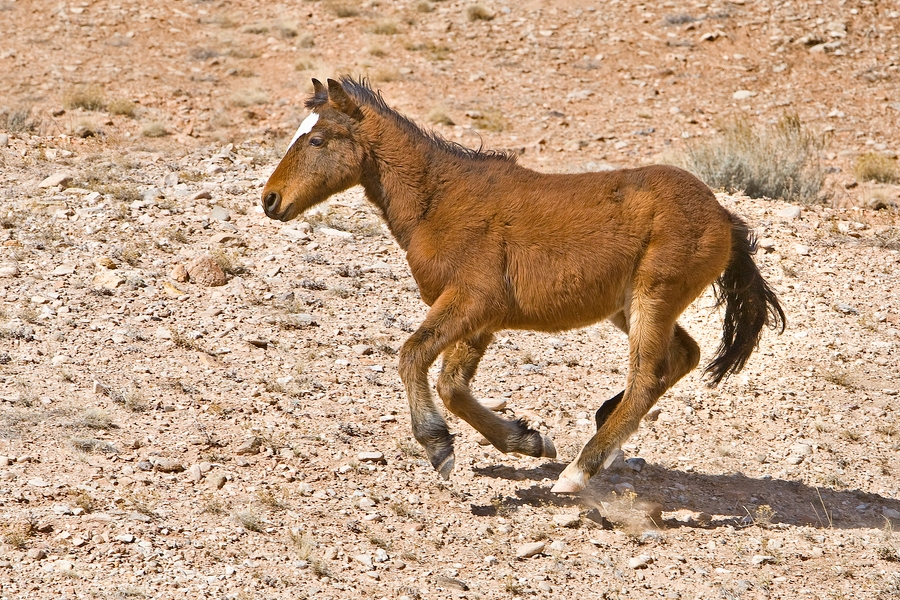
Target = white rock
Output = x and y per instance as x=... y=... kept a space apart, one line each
x=743 y=95
x=490 y=560
x=566 y=520
x=801 y=250
x=57 y=179
x=890 y=513
x=640 y=561
x=529 y=550
x=790 y=212
x=801 y=449
x=125 y=538
x=337 y=233
x=760 y=559
x=364 y=559
x=558 y=546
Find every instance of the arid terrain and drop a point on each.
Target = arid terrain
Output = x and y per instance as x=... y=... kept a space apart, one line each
x=199 y=402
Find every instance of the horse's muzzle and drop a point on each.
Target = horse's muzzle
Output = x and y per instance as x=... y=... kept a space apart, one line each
x=270 y=203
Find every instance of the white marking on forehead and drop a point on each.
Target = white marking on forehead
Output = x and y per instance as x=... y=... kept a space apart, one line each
x=305 y=127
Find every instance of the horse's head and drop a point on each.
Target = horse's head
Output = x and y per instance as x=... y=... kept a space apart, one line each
x=324 y=157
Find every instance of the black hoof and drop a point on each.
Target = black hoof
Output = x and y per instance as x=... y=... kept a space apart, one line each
x=443 y=461
x=607 y=408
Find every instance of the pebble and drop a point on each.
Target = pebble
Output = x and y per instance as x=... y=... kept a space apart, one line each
x=529 y=550
x=376 y=457
x=36 y=554
x=365 y=560
x=57 y=179
x=337 y=233
x=179 y=273
x=767 y=244
x=743 y=95
x=490 y=560
x=9 y=270
x=125 y=538
x=890 y=513
x=790 y=212
x=194 y=473
x=107 y=279
x=761 y=559
x=249 y=446
x=168 y=465
x=566 y=520
x=558 y=546
x=450 y=582
x=64 y=565
x=4 y=140
x=635 y=463
x=801 y=249
x=205 y=271
x=219 y=214
x=640 y=562
x=218 y=481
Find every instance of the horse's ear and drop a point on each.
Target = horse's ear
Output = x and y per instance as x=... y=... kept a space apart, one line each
x=339 y=99
x=318 y=88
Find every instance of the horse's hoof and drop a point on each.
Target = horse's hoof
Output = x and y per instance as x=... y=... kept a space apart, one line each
x=444 y=469
x=571 y=481
x=549 y=450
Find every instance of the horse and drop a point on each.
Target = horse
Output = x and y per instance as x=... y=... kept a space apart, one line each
x=493 y=246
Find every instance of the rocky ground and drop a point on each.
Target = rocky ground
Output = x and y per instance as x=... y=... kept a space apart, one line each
x=196 y=401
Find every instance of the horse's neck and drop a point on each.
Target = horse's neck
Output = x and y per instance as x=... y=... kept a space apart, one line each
x=397 y=180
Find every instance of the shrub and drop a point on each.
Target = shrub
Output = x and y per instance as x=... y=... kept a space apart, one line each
x=88 y=98
x=873 y=166
x=777 y=161
x=477 y=12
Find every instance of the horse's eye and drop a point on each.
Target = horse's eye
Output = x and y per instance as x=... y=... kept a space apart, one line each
x=316 y=141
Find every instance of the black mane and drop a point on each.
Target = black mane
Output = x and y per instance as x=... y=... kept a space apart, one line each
x=365 y=95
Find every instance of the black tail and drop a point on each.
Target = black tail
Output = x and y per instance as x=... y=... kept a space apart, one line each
x=749 y=305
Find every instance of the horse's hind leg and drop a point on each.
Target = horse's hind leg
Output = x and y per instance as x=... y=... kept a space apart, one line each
x=460 y=363
x=652 y=345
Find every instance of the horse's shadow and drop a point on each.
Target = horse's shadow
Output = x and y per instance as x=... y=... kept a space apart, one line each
x=730 y=499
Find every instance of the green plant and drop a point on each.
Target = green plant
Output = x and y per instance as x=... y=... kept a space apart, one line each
x=777 y=161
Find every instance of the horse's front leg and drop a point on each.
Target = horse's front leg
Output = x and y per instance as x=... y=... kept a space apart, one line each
x=452 y=317
x=460 y=363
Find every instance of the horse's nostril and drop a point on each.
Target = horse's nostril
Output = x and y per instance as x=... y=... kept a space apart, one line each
x=270 y=202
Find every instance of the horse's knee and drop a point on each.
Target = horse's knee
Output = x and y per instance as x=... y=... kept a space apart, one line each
x=692 y=353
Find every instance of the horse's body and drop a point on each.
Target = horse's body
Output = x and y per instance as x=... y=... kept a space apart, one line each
x=494 y=246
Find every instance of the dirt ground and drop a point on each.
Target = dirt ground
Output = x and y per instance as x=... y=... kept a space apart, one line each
x=165 y=436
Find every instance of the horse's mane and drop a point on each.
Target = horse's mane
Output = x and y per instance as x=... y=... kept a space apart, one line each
x=360 y=91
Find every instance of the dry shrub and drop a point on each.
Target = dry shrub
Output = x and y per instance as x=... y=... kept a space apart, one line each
x=874 y=166
x=439 y=117
x=385 y=27
x=489 y=119
x=477 y=12
x=126 y=108
x=244 y=98
x=18 y=119
x=343 y=10
x=154 y=130
x=86 y=97
x=424 y=7
x=777 y=161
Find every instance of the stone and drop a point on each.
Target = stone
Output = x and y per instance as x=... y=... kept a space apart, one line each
x=336 y=233
x=790 y=212
x=194 y=473
x=9 y=270
x=767 y=244
x=294 y=234
x=761 y=559
x=495 y=404
x=451 y=583
x=365 y=560
x=218 y=481
x=653 y=414
x=529 y=550
x=201 y=195
x=57 y=179
x=801 y=249
x=62 y=509
x=105 y=262
x=635 y=463
x=36 y=554
x=179 y=273
x=226 y=238
x=4 y=140
x=125 y=538
x=64 y=269
x=890 y=513
x=743 y=95
x=219 y=214
x=376 y=457
x=205 y=271
x=640 y=562
x=168 y=465
x=490 y=560
x=558 y=546
x=107 y=279
x=249 y=446
x=566 y=520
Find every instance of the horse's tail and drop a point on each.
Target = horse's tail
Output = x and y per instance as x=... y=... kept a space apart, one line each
x=749 y=305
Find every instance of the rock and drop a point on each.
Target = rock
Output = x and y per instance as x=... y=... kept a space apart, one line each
x=761 y=559
x=878 y=203
x=194 y=473
x=36 y=554
x=218 y=481
x=635 y=463
x=529 y=550
x=336 y=233
x=451 y=583
x=558 y=546
x=57 y=179
x=653 y=414
x=62 y=509
x=64 y=565
x=64 y=269
x=743 y=95
x=107 y=279
x=566 y=520
x=219 y=214
x=376 y=457
x=495 y=404
x=651 y=536
x=201 y=195
x=249 y=446
x=179 y=273
x=294 y=234
x=9 y=270
x=767 y=244
x=226 y=239
x=365 y=560
x=105 y=262
x=790 y=212
x=168 y=465
x=801 y=250
x=794 y=460
x=62 y=359
x=125 y=538
x=801 y=449
x=640 y=562
x=205 y=271
x=890 y=513
x=4 y=140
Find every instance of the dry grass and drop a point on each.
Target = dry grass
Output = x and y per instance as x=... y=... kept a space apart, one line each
x=874 y=166
x=84 y=97
x=251 y=97
x=385 y=27
x=91 y=446
x=154 y=129
x=96 y=418
x=123 y=107
x=271 y=500
x=777 y=161
x=17 y=533
x=424 y=6
x=18 y=120
x=249 y=520
x=489 y=119
x=343 y=10
x=439 y=117
x=477 y=12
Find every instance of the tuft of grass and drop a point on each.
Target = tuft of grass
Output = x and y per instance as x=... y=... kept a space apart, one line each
x=342 y=10
x=135 y=401
x=477 y=12
x=144 y=504
x=84 y=97
x=270 y=500
x=304 y=544
x=385 y=27
x=17 y=533
x=95 y=418
x=18 y=120
x=249 y=520
x=123 y=107
x=286 y=30
x=874 y=166
x=91 y=445
x=490 y=119
x=245 y=98
x=777 y=161
x=85 y=501
x=214 y=507
x=377 y=51
x=154 y=130
x=439 y=117
x=304 y=64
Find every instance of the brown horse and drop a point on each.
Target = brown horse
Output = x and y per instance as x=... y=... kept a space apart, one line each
x=493 y=245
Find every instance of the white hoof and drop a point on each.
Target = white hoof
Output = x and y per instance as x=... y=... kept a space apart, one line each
x=570 y=481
